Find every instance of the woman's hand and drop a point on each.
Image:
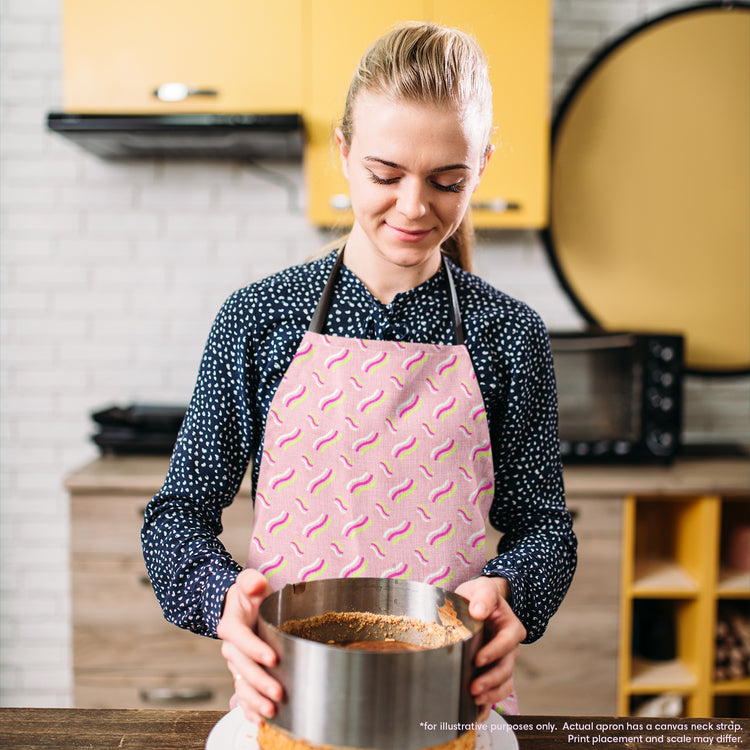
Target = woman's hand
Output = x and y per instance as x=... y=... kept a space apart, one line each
x=246 y=654
x=488 y=601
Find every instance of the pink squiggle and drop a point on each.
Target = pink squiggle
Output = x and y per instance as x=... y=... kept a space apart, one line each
x=355 y=525
x=353 y=567
x=404 y=447
x=303 y=351
x=399 y=531
x=466 y=431
x=335 y=547
x=390 y=424
x=319 y=481
x=326 y=439
x=289 y=438
x=464 y=515
x=483 y=449
x=444 y=449
x=345 y=460
x=340 y=503
x=305 y=573
x=404 y=489
x=465 y=560
x=426 y=471
x=278 y=522
x=484 y=488
x=397 y=382
x=433 y=388
x=306 y=460
x=466 y=389
x=268 y=456
x=466 y=473
x=275 y=416
x=272 y=566
x=356 y=382
x=311 y=528
x=446 y=408
x=386 y=469
x=436 y=535
x=301 y=504
x=258 y=544
x=297 y=549
x=318 y=379
x=260 y=496
x=335 y=359
x=313 y=421
x=448 y=365
x=428 y=429
x=352 y=423
x=285 y=477
x=359 y=483
x=330 y=400
x=374 y=362
x=399 y=570
x=370 y=440
x=444 y=573
x=477 y=539
x=410 y=405
x=478 y=412
x=295 y=395
x=415 y=361
x=420 y=555
x=366 y=403
x=383 y=511
x=379 y=552
x=436 y=496
x=423 y=513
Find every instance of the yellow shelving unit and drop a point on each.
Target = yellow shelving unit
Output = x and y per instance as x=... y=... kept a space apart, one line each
x=674 y=563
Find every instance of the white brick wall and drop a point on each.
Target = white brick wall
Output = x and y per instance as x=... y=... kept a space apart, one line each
x=111 y=275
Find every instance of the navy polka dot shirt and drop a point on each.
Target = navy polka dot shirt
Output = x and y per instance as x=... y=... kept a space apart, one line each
x=250 y=346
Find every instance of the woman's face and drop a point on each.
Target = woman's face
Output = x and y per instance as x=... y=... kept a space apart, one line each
x=412 y=169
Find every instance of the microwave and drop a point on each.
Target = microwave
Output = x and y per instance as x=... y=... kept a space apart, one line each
x=619 y=395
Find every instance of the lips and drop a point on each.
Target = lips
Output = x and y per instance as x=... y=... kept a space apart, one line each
x=409 y=235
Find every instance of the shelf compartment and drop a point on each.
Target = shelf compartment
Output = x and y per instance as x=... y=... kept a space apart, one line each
x=661 y=676
x=662 y=579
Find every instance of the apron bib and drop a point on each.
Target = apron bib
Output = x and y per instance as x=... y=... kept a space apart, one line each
x=376 y=462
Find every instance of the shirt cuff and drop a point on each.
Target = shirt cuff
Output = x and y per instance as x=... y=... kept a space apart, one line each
x=517 y=601
x=213 y=598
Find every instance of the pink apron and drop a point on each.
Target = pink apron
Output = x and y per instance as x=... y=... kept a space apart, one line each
x=376 y=462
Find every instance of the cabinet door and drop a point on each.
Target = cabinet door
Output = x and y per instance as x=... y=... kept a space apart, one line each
x=515 y=36
x=340 y=31
x=116 y=54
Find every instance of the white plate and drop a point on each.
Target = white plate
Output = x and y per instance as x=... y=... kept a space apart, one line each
x=234 y=732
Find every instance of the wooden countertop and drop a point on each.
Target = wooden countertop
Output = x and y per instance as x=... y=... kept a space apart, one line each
x=133 y=729
x=689 y=475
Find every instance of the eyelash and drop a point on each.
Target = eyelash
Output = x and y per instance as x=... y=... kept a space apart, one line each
x=456 y=187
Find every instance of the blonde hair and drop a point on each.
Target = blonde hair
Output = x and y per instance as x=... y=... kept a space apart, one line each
x=428 y=64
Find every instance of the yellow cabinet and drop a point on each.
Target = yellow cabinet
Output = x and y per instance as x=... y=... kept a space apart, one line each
x=232 y=55
x=516 y=38
x=677 y=581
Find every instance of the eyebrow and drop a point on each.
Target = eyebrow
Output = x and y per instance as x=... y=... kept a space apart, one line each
x=393 y=165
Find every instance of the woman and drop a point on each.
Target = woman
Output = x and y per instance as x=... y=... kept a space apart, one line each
x=388 y=399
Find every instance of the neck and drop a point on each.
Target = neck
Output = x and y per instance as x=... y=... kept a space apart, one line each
x=385 y=277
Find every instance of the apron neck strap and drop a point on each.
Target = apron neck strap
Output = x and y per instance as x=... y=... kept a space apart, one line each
x=321 y=311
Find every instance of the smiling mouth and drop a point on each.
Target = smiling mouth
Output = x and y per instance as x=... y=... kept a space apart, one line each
x=409 y=235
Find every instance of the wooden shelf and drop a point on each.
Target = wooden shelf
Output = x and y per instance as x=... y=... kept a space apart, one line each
x=673 y=545
x=663 y=579
x=733 y=583
x=661 y=676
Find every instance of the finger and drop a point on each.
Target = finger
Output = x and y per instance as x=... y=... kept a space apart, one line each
x=253 y=685
x=500 y=673
x=255 y=706
x=236 y=635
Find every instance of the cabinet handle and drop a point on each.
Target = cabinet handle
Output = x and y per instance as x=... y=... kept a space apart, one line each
x=177 y=695
x=496 y=205
x=340 y=202
x=177 y=92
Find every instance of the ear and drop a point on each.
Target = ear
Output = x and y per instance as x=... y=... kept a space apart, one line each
x=483 y=165
x=343 y=150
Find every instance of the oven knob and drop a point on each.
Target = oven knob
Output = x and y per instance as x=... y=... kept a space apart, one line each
x=667 y=404
x=582 y=449
x=565 y=448
x=622 y=447
x=667 y=379
x=667 y=354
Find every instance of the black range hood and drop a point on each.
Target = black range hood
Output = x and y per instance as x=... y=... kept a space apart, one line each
x=215 y=136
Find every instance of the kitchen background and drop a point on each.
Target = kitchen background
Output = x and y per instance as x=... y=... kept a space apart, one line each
x=111 y=276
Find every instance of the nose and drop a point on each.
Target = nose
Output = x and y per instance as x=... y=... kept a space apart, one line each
x=412 y=200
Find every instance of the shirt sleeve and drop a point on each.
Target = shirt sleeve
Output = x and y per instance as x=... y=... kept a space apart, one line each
x=189 y=568
x=537 y=551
